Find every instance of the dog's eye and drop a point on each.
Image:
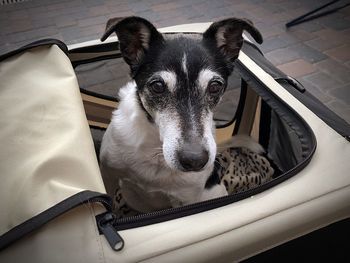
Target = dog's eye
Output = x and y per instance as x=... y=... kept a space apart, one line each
x=157 y=86
x=215 y=87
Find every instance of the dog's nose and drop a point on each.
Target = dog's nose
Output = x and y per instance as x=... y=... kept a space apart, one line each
x=193 y=157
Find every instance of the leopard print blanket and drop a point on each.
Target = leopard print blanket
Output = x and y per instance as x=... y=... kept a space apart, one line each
x=239 y=170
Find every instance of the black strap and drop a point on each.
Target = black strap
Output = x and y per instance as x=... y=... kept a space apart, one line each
x=240 y=107
x=46 y=216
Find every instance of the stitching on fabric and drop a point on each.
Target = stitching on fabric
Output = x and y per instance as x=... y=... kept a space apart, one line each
x=101 y=254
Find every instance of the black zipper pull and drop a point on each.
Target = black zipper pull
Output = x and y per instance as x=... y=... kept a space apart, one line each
x=105 y=226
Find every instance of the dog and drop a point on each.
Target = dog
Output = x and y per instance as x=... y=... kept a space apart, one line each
x=159 y=148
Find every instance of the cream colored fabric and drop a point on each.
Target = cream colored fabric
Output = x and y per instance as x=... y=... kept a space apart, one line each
x=46 y=152
x=71 y=238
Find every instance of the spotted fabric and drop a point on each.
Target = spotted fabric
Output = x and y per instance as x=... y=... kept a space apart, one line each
x=239 y=170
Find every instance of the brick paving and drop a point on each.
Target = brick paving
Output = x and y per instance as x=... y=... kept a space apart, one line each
x=317 y=52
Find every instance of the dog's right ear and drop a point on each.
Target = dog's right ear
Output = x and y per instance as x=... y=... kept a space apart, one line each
x=135 y=36
x=226 y=36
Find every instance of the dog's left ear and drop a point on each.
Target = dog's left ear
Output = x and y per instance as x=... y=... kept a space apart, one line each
x=135 y=36
x=226 y=35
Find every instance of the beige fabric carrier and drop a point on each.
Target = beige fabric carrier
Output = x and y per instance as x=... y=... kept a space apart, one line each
x=46 y=156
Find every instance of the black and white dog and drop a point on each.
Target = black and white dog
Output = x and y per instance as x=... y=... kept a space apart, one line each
x=159 y=147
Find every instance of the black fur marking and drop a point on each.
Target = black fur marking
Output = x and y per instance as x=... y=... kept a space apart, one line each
x=225 y=183
x=214 y=178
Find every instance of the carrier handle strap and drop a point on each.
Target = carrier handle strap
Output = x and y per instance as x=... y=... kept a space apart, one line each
x=48 y=215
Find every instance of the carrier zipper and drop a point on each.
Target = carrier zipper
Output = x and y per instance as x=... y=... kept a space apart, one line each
x=109 y=225
x=177 y=212
x=105 y=225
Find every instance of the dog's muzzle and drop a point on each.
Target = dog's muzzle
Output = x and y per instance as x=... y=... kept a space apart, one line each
x=192 y=157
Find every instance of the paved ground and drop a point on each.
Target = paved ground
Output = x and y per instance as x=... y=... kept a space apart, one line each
x=317 y=53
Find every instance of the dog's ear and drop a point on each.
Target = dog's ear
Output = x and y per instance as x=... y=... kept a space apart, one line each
x=135 y=36
x=226 y=35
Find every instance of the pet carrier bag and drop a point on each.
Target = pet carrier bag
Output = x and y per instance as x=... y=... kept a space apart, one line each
x=52 y=198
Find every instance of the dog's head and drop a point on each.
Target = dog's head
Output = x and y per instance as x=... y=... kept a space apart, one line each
x=180 y=79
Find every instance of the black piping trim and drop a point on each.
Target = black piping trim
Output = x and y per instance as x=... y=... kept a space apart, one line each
x=245 y=42
x=98 y=95
x=264 y=128
x=42 y=42
x=91 y=126
x=95 y=59
x=290 y=116
x=324 y=113
x=298 y=91
x=53 y=212
x=103 y=47
x=240 y=107
x=238 y=112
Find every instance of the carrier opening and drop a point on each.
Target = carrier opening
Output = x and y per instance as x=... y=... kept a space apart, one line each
x=248 y=107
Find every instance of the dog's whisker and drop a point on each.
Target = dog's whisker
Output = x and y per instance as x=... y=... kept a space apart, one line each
x=154 y=148
x=157 y=155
